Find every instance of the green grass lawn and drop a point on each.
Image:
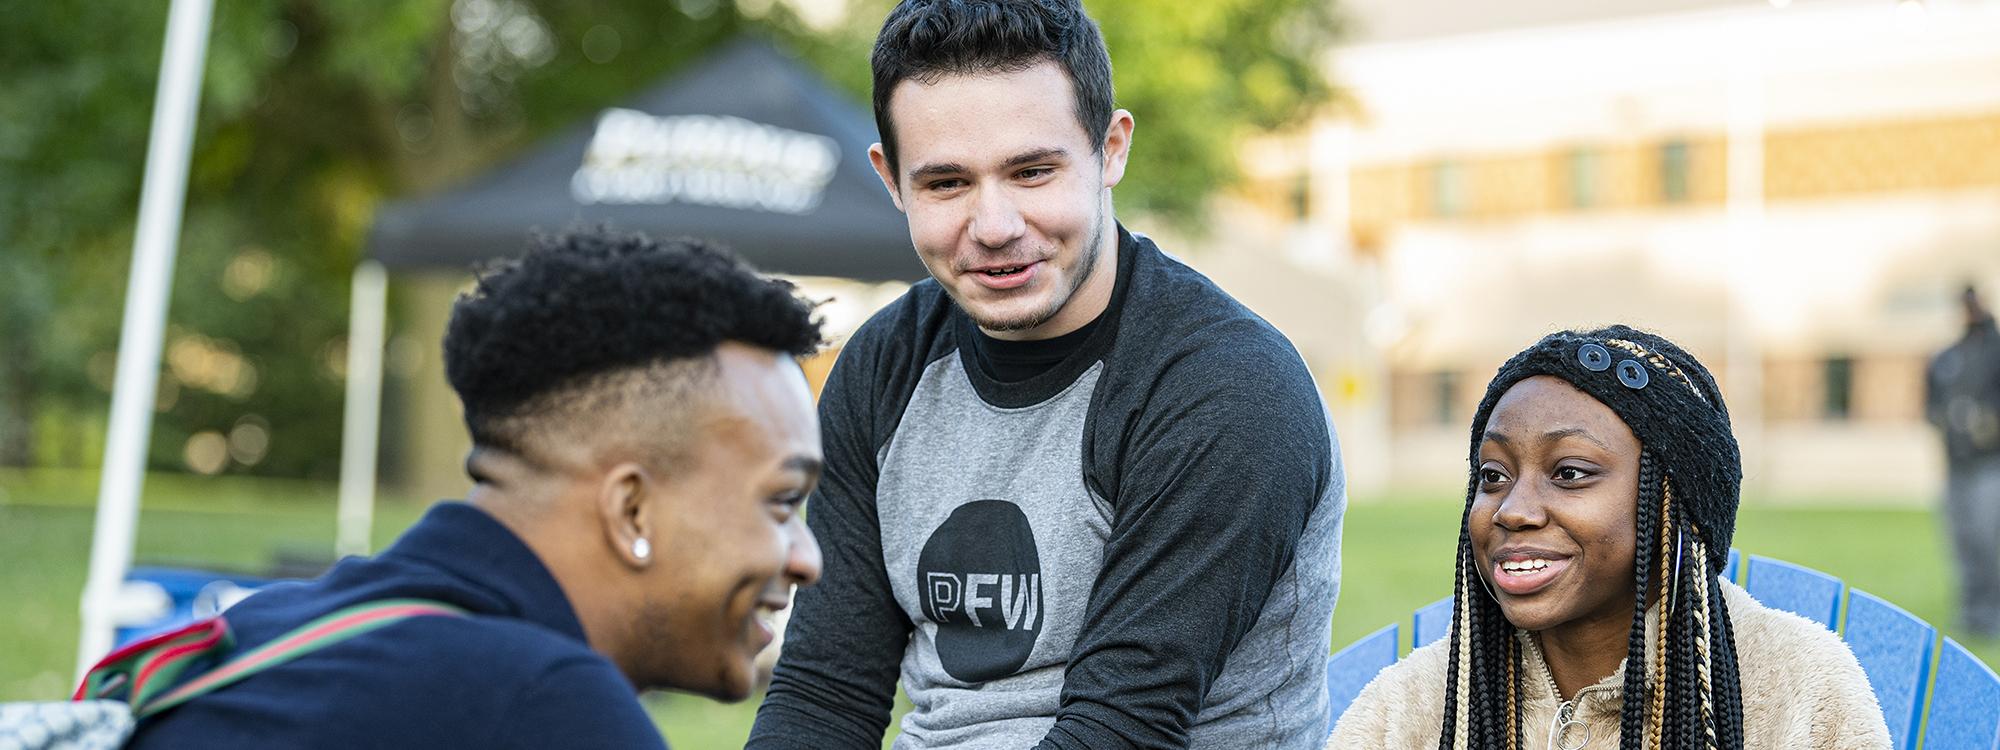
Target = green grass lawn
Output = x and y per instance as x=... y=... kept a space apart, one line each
x=1397 y=557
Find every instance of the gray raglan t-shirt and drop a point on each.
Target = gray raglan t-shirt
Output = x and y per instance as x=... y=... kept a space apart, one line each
x=1138 y=547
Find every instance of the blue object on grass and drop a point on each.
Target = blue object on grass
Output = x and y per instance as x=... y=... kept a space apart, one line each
x=190 y=594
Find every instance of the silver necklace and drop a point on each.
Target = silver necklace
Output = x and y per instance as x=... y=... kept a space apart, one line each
x=1565 y=721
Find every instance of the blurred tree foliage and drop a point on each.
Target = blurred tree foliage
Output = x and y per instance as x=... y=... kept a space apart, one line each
x=314 y=112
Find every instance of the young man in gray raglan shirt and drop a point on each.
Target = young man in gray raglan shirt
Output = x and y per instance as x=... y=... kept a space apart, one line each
x=1075 y=495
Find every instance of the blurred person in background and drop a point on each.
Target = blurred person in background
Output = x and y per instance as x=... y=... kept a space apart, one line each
x=1076 y=495
x=642 y=441
x=1963 y=402
x=1590 y=609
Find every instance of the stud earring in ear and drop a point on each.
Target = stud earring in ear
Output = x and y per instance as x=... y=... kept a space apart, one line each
x=641 y=548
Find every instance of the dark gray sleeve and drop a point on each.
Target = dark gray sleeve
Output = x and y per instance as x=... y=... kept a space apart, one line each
x=836 y=677
x=1217 y=471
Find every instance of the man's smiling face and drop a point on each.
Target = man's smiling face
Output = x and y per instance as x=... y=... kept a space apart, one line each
x=1007 y=198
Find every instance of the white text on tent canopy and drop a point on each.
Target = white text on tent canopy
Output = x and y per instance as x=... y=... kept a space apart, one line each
x=704 y=159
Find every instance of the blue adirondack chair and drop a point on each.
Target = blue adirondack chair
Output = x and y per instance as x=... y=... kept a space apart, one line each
x=1950 y=706
x=1962 y=715
x=1894 y=648
x=1350 y=670
x=1432 y=622
x=1802 y=591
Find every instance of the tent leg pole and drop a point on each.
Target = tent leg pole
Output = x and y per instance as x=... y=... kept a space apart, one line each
x=162 y=198
x=361 y=425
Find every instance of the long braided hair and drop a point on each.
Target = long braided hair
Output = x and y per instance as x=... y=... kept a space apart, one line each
x=1687 y=696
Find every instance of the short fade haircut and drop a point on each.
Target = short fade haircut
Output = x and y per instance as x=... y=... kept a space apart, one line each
x=925 y=40
x=590 y=309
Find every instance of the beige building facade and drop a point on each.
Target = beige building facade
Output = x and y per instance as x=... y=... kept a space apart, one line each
x=1794 y=193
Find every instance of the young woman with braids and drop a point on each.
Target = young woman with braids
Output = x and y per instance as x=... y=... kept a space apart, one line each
x=1590 y=611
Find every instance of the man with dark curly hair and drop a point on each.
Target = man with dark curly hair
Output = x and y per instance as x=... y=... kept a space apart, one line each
x=1076 y=495
x=642 y=440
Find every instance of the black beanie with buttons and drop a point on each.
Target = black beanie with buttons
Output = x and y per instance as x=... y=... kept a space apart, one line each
x=1669 y=401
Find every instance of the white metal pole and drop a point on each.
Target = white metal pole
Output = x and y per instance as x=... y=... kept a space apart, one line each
x=360 y=427
x=161 y=201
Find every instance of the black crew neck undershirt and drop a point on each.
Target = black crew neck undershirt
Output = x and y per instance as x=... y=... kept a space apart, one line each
x=1019 y=361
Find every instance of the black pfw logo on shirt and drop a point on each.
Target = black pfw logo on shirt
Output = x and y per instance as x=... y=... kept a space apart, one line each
x=980 y=580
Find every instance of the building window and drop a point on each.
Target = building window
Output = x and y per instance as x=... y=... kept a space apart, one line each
x=1582 y=178
x=1301 y=197
x=1674 y=171
x=1444 y=389
x=1837 y=375
x=1448 y=189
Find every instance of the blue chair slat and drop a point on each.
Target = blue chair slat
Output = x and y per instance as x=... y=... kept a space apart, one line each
x=1962 y=701
x=1351 y=670
x=1796 y=589
x=1431 y=623
x=1729 y=572
x=1894 y=648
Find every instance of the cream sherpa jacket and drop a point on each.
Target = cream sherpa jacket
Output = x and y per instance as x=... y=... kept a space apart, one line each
x=1802 y=690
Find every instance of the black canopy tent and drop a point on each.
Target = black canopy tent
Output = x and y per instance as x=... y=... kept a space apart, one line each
x=746 y=147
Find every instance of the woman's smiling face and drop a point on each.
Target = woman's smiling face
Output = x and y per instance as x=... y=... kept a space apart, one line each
x=1553 y=519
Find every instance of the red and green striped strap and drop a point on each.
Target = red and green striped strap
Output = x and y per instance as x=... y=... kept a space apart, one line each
x=149 y=666
x=312 y=636
x=157 y=660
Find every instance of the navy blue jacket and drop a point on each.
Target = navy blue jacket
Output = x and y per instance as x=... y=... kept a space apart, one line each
x=516 y=674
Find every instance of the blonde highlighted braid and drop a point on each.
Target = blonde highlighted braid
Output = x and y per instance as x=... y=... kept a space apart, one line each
x=1656 y=683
